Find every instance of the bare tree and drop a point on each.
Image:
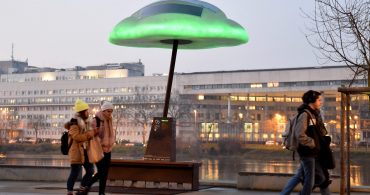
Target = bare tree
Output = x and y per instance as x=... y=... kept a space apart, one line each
x=10 y=122
x=179 y=107
x=118 y=117
x=37 y=123
x=340 y=30
x=3 y=125
x=142 y=110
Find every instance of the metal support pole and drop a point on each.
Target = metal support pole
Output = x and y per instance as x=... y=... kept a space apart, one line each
x=170 y=78
x=342 y=135
x=228 y=107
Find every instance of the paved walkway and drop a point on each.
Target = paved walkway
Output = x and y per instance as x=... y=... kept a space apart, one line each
x=58 y=188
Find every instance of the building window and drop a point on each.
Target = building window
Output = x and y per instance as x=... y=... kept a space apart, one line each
x=273 y=84
x=242 y=98
x=252 y=99
x=248 y=127
x=260 y=99
x=256 y=85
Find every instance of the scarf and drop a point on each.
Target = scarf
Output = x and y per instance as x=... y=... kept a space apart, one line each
x=83 y=125
x=319 y=121
x=106 y=133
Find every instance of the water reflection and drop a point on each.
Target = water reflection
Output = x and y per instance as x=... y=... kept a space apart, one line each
x=227 y=169
x=35 y=160
x=211 y=169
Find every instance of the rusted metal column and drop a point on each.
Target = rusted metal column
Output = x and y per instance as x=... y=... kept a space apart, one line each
x=342 y=159
x=348 y=166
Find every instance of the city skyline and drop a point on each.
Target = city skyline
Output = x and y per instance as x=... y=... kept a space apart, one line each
x=67 y=33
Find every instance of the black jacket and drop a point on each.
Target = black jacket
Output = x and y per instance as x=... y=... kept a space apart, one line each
x=311 y=125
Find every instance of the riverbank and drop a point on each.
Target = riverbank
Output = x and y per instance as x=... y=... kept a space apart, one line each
x=250 y=151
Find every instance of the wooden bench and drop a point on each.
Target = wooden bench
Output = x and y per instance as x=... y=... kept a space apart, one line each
x=154 y=172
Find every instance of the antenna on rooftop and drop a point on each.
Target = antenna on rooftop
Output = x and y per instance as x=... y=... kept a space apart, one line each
x=12 y=57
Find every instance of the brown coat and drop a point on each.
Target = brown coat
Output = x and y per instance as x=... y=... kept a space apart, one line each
x=76 y=152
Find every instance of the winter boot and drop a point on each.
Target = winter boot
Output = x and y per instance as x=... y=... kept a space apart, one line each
x=83 y=190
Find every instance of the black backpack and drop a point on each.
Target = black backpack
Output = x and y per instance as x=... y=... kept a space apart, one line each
x=65 y=146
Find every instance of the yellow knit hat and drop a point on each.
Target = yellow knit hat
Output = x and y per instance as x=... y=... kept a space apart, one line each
x=80 y=105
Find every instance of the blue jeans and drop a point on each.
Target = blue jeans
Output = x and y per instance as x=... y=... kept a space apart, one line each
x=75 y=171
x=310 y=172
x=320 y=178
x=293 y=182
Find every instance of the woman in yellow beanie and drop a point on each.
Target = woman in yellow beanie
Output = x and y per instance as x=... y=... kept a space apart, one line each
x=80 y=132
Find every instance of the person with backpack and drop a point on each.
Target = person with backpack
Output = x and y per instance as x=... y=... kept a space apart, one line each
x=309 y=131
x=103 y=124
x=80 y=132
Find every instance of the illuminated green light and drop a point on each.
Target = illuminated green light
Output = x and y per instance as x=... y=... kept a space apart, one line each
x=209 y=30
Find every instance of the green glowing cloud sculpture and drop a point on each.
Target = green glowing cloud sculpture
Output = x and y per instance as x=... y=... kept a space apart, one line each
x=195 y=24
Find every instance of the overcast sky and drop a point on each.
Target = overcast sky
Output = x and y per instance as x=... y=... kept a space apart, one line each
x=68 y=33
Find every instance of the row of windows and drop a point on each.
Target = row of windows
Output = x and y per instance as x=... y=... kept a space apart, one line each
x=51 y=76
x=84 y=91
x=71 y=100
x=338 y=83
x=271 y=98
x=48 y=132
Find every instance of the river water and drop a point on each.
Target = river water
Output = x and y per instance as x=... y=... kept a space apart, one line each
x=223 y=168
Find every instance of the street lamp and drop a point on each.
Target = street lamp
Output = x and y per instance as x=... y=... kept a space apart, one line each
x=195 y=120
x=241 y=127
x=278 y=120
x=356 y=135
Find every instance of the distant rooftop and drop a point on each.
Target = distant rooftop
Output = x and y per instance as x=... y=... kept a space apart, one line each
x=261 y=70
x=18 y=67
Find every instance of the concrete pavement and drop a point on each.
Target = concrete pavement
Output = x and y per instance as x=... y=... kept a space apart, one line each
x=59 y=188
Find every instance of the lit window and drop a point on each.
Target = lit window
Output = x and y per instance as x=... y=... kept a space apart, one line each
x=248 y=127
x=241 y=98
x=233 y=98
x=256 y=85
x=200 y=97
x=273 y=84
x=260 y=99
x=256 y=127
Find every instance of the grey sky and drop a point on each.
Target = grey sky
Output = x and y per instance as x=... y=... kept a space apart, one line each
x=68 y=33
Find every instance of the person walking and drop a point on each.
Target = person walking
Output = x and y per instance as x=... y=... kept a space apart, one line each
x=103 y=124
x=310 y=131
x=80 y=132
